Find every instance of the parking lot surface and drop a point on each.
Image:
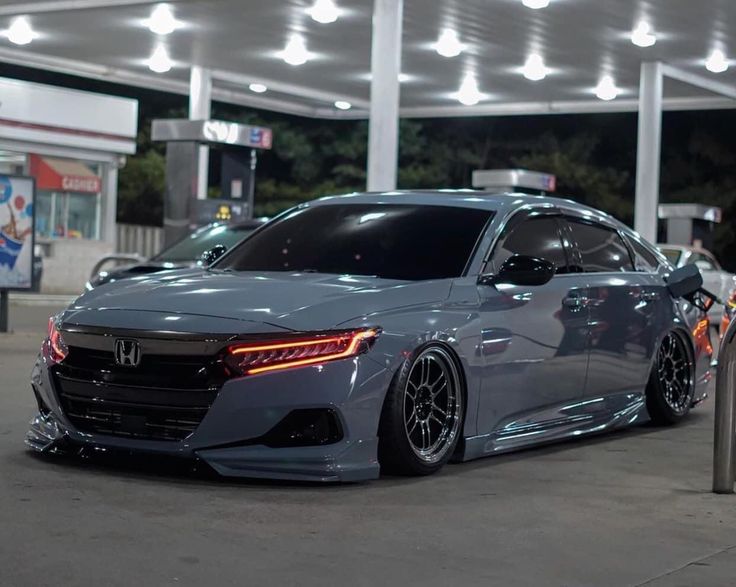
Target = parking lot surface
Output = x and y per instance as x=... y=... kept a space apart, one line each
x=629 y=508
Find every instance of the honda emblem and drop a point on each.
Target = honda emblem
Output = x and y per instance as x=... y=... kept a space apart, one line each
x=127 y=352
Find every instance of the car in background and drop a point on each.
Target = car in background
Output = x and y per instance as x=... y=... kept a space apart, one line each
x=184 y=253
x=389 y=331
x=715 y=279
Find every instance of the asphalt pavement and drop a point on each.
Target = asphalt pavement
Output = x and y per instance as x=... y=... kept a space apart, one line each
x=628 y=508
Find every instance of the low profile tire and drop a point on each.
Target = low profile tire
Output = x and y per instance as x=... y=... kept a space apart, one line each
x=423 y=414
x=671 y=384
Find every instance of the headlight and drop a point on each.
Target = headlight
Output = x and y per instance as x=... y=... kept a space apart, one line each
x=55 y=345
x=286 y=353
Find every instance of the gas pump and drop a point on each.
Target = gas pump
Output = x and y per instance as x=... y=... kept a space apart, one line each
x=240 y=144
x=688 y=224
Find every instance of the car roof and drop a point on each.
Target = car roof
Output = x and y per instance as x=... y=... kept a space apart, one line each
x=236 y=225
x=675 y=247
x=684 y=248
x=496 y=201
x=243 y=224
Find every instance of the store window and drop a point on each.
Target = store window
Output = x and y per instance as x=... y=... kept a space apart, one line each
x=68 y=196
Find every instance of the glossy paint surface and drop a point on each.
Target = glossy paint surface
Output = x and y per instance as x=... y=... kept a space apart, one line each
x=538 y=363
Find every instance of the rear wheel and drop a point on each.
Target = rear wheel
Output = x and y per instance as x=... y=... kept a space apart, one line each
x=423 y=414
x=672 y=383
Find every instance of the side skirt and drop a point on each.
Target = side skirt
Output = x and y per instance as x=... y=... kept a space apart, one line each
x=626 y=409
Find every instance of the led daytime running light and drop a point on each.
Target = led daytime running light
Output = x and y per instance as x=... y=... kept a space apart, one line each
x=260 y=358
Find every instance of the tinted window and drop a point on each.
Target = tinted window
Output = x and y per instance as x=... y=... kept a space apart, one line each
x=645 y=260
x=601 y=248
x=191 y=247
x=393 y=241
x=534 y=237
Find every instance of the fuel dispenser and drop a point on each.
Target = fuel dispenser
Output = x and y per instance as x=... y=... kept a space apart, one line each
x=239 y=143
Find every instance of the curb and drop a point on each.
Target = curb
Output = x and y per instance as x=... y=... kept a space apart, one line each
x=34 y=299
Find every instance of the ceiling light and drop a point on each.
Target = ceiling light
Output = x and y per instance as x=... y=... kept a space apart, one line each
x=606 y=88
x=343 y=105
x=20 y=31
x=535 y=4
x=642 y=35
x=295 y=52
x=534 y=68
x=160 y=62
x=717 y=62
x=162 y=21
x=468 y=94
x=448 y=45
x=257 y=88
x=324 y=11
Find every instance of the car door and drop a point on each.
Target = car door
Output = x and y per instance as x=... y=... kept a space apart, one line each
x=623 y=306
x=534 y=339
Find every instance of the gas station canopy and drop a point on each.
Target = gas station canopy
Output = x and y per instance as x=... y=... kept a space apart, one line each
x=580 y=47
x=383 y=59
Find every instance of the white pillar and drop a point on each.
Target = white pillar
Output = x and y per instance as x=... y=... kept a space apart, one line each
x=383 y=130
x=200 y=108
x=108 y=212
x=648 y=151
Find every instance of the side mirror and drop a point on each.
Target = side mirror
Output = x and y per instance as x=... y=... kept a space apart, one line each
x=212 y=255
x=521 y=270
x=685 y=281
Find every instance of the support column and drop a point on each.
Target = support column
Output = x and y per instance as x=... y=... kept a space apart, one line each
x=4 y=311
x=108 y=215
x=200 y=108
x=648 y=151
x=383 y=130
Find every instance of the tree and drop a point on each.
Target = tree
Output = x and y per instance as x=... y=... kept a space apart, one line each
x=141 y=188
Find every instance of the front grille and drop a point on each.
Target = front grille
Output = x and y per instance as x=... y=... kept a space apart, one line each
x=164 y=398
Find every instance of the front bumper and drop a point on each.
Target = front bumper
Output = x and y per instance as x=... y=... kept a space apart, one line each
x=246 y=410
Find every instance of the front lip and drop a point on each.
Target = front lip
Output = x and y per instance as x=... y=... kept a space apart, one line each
x=245 y=409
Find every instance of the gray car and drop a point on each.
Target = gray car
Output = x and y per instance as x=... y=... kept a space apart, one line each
x=379 y=332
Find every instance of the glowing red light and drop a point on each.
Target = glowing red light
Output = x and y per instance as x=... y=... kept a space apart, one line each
x=56 y=346
x=260 y=357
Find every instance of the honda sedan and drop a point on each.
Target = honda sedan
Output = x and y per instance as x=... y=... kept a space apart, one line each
x=380 y=332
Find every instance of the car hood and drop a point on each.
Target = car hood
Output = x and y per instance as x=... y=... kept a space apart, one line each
x=292 y=301
x=132 y=270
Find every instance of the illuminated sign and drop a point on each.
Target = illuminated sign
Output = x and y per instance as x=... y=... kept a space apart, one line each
x=216 y=132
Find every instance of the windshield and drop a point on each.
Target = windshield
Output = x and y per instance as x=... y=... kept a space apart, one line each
x=190 y=248
x=673 y=255
x=392 y=241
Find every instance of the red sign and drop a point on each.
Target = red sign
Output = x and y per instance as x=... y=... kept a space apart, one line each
x=64 y=175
